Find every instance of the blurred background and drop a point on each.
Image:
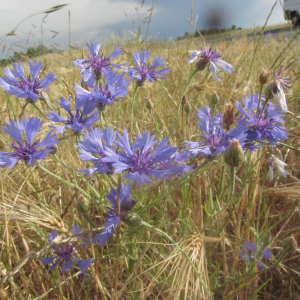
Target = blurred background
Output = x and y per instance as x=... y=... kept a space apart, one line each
x=106 y=20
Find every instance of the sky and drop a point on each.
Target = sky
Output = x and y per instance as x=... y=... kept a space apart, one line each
x=104 y=20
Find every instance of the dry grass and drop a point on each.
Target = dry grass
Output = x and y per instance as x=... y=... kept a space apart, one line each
x=33 y=202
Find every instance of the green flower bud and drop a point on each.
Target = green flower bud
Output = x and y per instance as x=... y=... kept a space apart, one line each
x=234 y=154
x=187 y=108
x=289 y=244
x=266 y=239
x=202 y=63
x=132 y=219
x=149 y=104
x=214 y=99
x=100 y=106
x=268 y=93
x=83 y=205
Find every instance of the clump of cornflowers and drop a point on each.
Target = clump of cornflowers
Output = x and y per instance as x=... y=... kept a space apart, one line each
x=93 y=147
x=97 y=64
x=277 y=86
x=64 y=253
x=214 y=140
x=143 y=70
x=111 y=217
x=262 y=124
x=210 y=58
x=273 y=161
x=104 y=94
x=77 y=120
x=29 y=87
x=146 y=158
x=251 y=251
x=26 y=149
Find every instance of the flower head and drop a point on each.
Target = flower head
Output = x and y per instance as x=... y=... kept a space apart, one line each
x=77 y=120
x=65 y=253
x=111 y=217
x=144 y=159
x=278 y=85
x=252 y=251
x=28 y=149
x=93 y=147
x=211 y=59
x=214 y=140
x=142 y=71
x=97 y=64
x=274 y=161
x=29 y=87
x=103 y=95
x=262 y=125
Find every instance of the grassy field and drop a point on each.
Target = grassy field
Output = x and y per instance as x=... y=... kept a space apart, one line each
x=193 y=227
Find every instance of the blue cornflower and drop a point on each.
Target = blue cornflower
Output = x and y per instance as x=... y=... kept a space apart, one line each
x=30 y=87
x=211 y=59
x=77 y=120
x=142 y=71
x=142 y=160
x=97 y=64
x=92 y=148
x=214 y=140
x=111 y=217
x=204 y=113
x=103 y=95
x=262 y=125
x=64 y=253
x=252 y=251
x=27 y=149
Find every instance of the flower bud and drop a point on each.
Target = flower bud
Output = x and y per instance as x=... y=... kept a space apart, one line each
x=264 y=76
x=83 y=205
x=100 y=106
x=289 y=244
x=183 y=100
x=265 y=239
x=214 y=99
x=187 y=108
x=201 y=64
x=128 y=205
x=268 y=93
x=132 y=219
x=149 y=104
x=234 y=154
x=228 y=118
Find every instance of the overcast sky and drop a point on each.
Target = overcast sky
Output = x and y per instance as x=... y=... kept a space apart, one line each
x=97 y=19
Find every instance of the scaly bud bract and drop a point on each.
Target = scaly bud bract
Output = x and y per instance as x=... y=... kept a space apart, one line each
x=234 y=154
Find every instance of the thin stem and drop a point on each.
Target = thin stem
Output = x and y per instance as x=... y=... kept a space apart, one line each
x=179 y=104
x=260 y=94
x=131 y=112
x=39 y=110
x=156 y=127
x=118 y=235
x=66 y=182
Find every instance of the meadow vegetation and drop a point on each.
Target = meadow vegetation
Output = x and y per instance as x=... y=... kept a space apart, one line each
x=194 y=227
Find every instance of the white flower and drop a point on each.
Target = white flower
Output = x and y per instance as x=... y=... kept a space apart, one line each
x=274 y=161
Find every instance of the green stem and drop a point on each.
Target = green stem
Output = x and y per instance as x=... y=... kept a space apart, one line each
x=186 y=127
x=292 y=124
x=260 y=94
x=232 y=187
x=39 y=110
x=131 y=112
x=179 y=104
x=180 y=250
x=156 y=127
x=68 y=183
x=80 y=176
x=288 y=146
x=104 y=117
